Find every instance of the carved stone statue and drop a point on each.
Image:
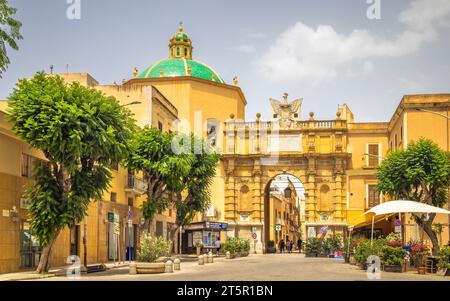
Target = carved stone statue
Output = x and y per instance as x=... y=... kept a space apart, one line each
x=285 y=110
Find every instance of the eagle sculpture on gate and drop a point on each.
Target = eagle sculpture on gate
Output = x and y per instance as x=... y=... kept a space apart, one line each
x=285 y=110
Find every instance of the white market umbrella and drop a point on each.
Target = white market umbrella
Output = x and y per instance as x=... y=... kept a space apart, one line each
x=402 y=206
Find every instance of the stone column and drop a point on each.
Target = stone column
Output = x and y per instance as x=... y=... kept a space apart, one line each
x=258 y=198
x=339 y=214
x=310 y=203
x=230 y=193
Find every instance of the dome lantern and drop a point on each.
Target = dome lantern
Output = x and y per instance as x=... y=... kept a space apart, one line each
x=180 y=45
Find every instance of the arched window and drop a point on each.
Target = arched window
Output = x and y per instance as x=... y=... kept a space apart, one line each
x=185 y=51
x=178 y=51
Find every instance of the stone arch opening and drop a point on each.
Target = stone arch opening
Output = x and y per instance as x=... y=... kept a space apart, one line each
x=284 y=207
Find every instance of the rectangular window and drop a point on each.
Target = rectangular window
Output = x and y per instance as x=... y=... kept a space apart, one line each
x=373 y=195
x=130 y=202
x=160 y=126
x=395 y=141
x=374 y=155
x=26 y=168
x=159 y=229
x=113 y=197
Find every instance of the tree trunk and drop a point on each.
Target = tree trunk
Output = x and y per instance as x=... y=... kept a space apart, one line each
x=432 y=235
x=175 y=236
x=44 y=261
x=145 y=228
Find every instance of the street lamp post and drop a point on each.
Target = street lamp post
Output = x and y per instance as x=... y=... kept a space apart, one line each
x=447 y=126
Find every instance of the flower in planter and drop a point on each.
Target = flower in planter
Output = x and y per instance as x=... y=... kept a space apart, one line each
x=418 y=254
x=394 y=244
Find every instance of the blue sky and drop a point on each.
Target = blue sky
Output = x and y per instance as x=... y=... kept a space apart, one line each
x=327 y=52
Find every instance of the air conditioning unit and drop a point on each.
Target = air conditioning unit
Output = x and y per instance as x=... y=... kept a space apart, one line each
x=24 y=203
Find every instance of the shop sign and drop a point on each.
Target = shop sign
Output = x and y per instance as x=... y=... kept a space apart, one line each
x=113 y=217
x=278 y=227
x=216 y=225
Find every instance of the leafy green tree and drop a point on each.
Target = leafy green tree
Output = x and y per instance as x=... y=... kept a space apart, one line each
x=419 y=173
x=9 y=32
x=193 y=195
x=151 y=153
x=81 y=132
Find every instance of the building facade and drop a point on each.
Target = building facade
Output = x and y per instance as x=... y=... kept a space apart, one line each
x=335 y=160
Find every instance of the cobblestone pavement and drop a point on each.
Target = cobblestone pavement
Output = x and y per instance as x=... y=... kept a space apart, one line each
x=258 y=267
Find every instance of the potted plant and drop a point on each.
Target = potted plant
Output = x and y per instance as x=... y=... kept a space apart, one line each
x=334 y=245
x=151 y=249
x=230 y=245
x=444 y=261
x=418 y=255
x=313 y=247
x=393 y=256
x=198 y=247
x=362 y=252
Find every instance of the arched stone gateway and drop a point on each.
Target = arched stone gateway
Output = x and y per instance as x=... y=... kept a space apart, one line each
x=315 y=152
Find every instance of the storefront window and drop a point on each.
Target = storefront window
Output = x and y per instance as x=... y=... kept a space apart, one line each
x=30 y=249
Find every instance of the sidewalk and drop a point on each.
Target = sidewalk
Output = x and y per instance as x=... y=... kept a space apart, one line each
x=54 y=272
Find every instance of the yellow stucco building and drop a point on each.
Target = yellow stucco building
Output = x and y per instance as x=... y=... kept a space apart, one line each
x=335 y=160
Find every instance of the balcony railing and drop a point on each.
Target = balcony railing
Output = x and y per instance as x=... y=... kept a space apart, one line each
x=135 y=184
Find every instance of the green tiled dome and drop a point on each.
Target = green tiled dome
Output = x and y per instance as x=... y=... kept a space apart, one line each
x=179 y=67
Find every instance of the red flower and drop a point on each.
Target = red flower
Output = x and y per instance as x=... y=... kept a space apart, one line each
x=419 y=248
x=394 y=244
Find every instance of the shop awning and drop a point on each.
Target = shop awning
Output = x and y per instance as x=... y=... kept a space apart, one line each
x=368 y=222
x=403 y=206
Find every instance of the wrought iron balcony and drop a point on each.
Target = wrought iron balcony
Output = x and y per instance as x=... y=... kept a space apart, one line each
x=135 y=184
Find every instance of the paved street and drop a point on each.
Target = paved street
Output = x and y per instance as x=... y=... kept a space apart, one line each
x=258 y=267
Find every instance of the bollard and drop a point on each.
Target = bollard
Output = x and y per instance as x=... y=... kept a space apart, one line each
x=228 y=255
x=201 y=260
x=169 y=266
x=133 y=270
x=176 y=264
x=210 y=257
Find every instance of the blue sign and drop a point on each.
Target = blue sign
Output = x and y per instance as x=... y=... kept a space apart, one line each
x=397 y=223
x=216 y=225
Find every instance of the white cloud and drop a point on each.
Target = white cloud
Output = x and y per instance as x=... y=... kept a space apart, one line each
x=315 y=55
x=244 y=48
x=257 y=35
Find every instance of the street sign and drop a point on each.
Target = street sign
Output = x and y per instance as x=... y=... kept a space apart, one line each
x=398 y=229
x=113 y=217
x=277 y=227
x=254 y=235
x=254 y=229
x=216 y=225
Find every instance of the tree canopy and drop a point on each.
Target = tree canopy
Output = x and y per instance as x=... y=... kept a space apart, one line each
x=9 y=33
x=81 y=132
x=419 y=173
x=151 y=153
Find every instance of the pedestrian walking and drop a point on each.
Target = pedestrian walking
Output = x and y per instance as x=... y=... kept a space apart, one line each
x=299 y=245
x=288 y=246
x=281 y=245
x=217 y=244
